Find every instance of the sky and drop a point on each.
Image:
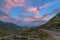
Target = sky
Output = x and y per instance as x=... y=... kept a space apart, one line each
x=28 y=12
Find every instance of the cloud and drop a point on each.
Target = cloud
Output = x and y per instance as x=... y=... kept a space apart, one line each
x=48 y=4
x=15 y=2
x=4 y=18
x=43 y=17
x=9 y=19
x=9 y=4
x=34 y=10
x=17 y=19
x=45 y=5
x=26 y=19
x=4 y=10
x=33 y=18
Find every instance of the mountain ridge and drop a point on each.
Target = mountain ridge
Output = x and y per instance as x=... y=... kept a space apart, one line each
x=8 y=28
x=53 y=24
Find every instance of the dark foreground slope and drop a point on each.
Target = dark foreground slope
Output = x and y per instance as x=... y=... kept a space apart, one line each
x=53 y=24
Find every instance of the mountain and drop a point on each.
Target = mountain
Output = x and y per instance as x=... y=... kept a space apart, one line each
x=8 y=28
x=53 y=24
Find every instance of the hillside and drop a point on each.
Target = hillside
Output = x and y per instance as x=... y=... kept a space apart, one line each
x=53 y=24
x=8 y=28
x=9 y=31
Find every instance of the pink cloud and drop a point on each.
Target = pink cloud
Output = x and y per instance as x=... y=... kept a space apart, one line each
x=45 y=5
x=25 y=16
x=15 y=2
x=43 y=17
x=8 y=6
x=4 y=18
x=17 y=19
x=4 y=10
x=28 y=19
x=11 y=3
x=34 y=10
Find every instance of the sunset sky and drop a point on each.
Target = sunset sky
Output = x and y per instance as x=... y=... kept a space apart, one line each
x=27 y=12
